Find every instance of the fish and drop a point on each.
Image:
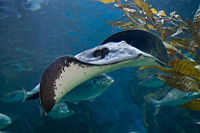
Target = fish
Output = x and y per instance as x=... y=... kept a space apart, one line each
x=5 y=12
x=87 y=91
x=21 y=95
x=197 y=122
x=174 y=97
x=124 y=49
x=90 y=90
x=4 y=132
x=21 y=67
x=14 y=96
x=3 y=15
x=34 y=5
x=60 y=110
x=33 y=93
x=4 y=121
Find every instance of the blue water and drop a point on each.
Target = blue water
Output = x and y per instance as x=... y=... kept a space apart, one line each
x=31 y=40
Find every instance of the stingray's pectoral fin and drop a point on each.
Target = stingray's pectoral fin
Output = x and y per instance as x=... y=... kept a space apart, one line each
x=61 y=76
x=49 y=83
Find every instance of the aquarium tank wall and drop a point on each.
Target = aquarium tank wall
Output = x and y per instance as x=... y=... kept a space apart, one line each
x=100 y=66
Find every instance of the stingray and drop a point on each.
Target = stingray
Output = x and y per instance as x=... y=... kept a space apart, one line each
x=123 y=49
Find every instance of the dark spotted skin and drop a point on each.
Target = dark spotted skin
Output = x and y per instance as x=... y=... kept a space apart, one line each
x=49 y=76
x=47 y=82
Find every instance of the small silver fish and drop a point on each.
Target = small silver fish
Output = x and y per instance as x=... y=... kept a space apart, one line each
x=21 y=95
x=60 y=110
x=5 y=12
x=22 y=67
x=34 y=5
x=33 y=93
x=90 y=90
x=4 y=132
x=173 y=98
x=4 y=121
x=14 y=96
x=34 y=90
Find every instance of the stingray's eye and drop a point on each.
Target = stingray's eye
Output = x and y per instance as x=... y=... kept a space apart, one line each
x=101 y=52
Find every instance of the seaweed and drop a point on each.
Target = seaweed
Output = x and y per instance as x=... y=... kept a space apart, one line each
x=192 y=105
x=178 y=35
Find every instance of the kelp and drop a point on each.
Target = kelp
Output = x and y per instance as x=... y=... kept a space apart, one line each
x=135 y=15
x=171 y=49
x=184 y=43
x=106 y=1
x=196 y=19
x=171 y=31
x=141 y=13
x=192 y=105
x=181 y=67
x=164 y=69
x=154 y=11
x=161 y=13
x=193 y=32
x=183 y=72
x=145 y=8
x=180 y=82
x=177 y=35
x=125 y=25
x=185 y=67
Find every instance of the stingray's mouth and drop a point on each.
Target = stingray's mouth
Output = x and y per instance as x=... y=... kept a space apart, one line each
x=123 y=49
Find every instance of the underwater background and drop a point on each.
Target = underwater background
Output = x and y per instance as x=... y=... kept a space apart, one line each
x=31 y=39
